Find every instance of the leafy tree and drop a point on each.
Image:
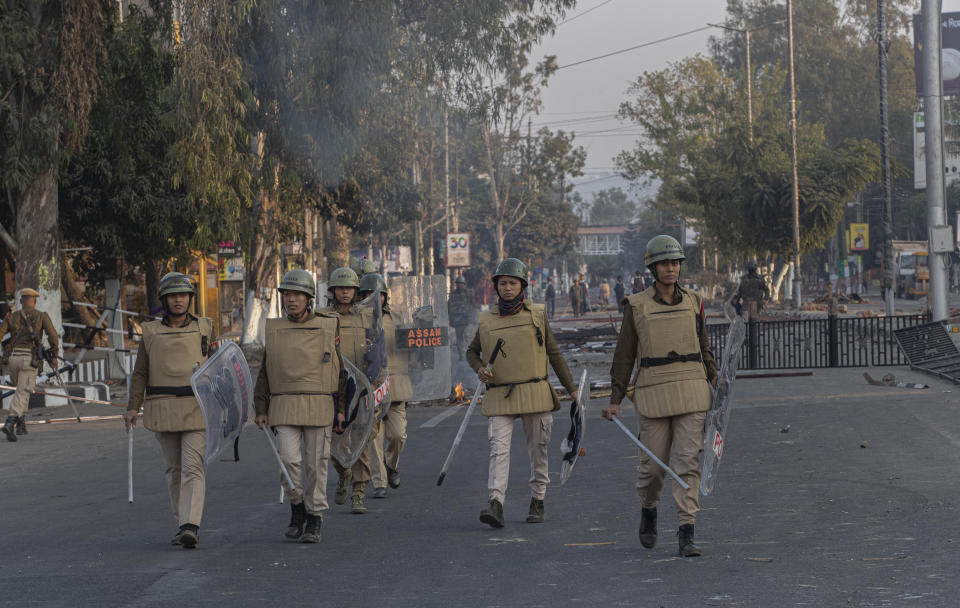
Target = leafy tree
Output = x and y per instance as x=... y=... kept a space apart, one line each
x=612 y=206
x=116 y=197
x=49 y=56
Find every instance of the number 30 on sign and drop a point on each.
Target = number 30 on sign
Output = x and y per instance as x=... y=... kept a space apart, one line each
x=458 y=249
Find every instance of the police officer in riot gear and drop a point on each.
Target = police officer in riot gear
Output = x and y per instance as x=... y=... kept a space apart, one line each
x=752 y=290
x=390 y=434
x=169 y=351
x=24 y=355
x=301 y=372
x=460 y=310
x=664 y=332
x=343 y=288
x=517 y=386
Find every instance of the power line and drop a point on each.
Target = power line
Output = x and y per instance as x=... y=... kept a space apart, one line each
x=633 y=48
x=589 y=10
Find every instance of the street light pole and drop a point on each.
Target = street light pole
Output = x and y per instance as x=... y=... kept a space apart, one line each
x=889 y=281
x=933 y=138
x=746 y=33
x=793 y=158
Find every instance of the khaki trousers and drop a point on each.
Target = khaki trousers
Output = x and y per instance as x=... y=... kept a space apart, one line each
x=677 y=441
x=24 y=377
x=536 y=430
x=361 y=468
x=388 y=443
x=183 y=454
x=312 y=463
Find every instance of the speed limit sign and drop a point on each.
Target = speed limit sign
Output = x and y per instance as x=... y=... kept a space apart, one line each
x=458 y=249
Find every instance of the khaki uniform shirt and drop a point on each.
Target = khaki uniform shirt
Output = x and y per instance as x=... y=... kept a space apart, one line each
x=21 y=333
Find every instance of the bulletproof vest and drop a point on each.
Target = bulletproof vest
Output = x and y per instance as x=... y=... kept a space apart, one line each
x=353 y=337
x=523 y=342
x=664 y=329
x=302 y=357
x=398 y=362
x=174 y=352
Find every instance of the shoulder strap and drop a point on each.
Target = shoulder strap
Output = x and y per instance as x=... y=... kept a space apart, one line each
x=34 y=332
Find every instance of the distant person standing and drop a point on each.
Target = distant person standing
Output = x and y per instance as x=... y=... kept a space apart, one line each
x=637 y=282
x=605 y=294
x=584 y=295
x=752 y=289
x=575 y=297
x=551 y=298
x=460 y=311
x=618 y=291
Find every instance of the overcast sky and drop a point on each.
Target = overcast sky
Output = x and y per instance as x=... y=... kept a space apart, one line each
x=585 y=98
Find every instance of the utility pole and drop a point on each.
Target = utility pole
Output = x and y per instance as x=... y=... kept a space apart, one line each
x=746 y=33
x=446 y=191
x=933 y=138
x=889 y=281
x=793 y=158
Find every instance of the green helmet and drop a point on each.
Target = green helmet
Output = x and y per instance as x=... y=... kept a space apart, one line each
x=343 y=277
x=373 y=282
x=511 y=267
x=175 y=282
x=460 y=281
x=662 y=247
x=300 y=280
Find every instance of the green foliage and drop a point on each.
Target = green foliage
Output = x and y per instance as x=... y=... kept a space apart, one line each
x=612 y=207
x=210 y=99
x=116 y=197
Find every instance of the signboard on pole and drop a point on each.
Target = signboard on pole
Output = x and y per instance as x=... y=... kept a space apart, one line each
x=949 y=53
x=859 y=237
x=458 y=249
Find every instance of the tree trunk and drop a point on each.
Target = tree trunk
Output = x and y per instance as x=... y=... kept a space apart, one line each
x=38 y=262
x=152 y=271
x=778 y=282
x=261 y=274
x=494 y=196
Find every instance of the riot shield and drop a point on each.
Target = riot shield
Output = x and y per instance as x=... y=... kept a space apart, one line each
x=368 y=385
x=420 y=339
x=719 y=414
x=571 y=444
x=224 y=387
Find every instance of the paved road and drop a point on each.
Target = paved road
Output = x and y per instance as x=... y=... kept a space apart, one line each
x=806 y=517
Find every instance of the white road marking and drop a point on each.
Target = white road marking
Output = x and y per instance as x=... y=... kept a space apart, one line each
x=450 y=411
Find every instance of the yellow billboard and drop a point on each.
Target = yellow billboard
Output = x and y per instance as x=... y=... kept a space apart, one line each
x=859 y=235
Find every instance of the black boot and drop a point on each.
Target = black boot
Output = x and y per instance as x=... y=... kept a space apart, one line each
x=685 y=536
x=8 y=428
x=22 y=425
x=493 y=515
x=298 y=514
x=535 y=516
x=393 y=478
x=189 y=536
x=311 y=533
x=648 y=527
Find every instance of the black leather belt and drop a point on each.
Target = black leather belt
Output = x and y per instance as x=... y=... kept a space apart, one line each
x=513 y=384
x=173 y=391
x=672 y=357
